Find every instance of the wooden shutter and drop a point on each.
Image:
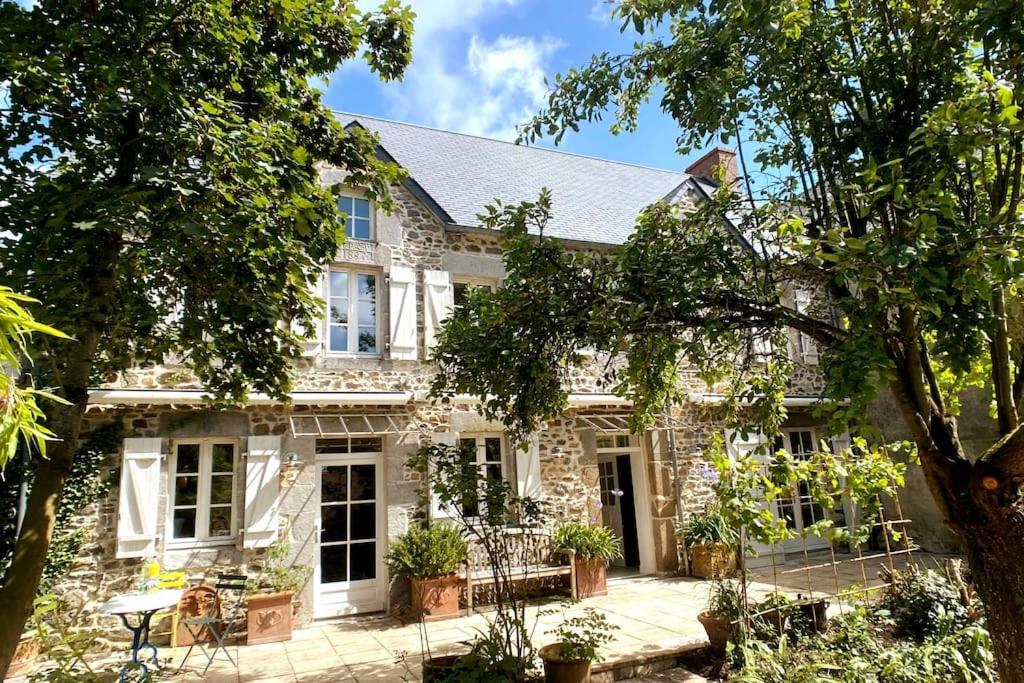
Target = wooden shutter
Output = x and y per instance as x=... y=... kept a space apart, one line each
x=312 y=345
x=402 y=300
x=262 y=486
x=139 y=497
x=808 y=347
x=438 y=301
x=528 y=468
x=437 y=511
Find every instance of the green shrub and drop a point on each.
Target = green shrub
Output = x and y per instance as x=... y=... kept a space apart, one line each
x=589 y=542
x=924 y=605
x=725 y=599
x=705 y=528
x=581 y=637
x=426 y=553
x=276 y=576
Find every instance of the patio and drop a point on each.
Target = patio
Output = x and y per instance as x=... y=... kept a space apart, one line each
x=656 y=616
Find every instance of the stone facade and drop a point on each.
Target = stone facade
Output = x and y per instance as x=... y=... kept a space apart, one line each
x=412 y=237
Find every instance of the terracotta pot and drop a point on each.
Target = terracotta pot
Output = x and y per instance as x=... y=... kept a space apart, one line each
x=720 y=631
x=25 y=655
x=712 y=561
x=269 y=618
x=436 y=598
x=776 y=620
x=440 y=669
x=195 y=602
x=591 y=578
x=559 y=671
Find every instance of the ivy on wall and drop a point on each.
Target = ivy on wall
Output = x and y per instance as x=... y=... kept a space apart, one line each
x=85 y=485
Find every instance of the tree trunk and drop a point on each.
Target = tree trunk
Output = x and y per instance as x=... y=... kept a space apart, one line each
x=994 y=553
x=26 y=568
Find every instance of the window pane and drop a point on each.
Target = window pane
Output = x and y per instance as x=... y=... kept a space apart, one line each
x=186 y=490
x=367 y=339
x=334 y=484
x=367 y=285
x=188 y=457
x=223 y=457
x=339 y=338
x=459 y=293
x=220 y=521
x=333 y=563
x=332 y=445
x=622 y=441
x=367 y=313
x=220 y=489
x=494 y=472
x=361 y=208
x=364 y=520
x=605 y=442
x=339 y=283
x=339 y=310
x=360 y=229
x=334 y=523
x=184 y=523
x=364 y=561
x=366 y=445
x=345 y=204
x=492 y=448
x=363 y=482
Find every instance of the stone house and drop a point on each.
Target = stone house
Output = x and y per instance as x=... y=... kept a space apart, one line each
x=206 y=489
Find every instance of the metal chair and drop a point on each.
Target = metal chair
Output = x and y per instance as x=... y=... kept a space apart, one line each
x=223 y=614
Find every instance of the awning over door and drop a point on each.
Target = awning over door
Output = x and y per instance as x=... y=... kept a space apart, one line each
x=617 y=423
x=351 y=425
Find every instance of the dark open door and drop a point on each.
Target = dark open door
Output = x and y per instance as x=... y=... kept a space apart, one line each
x=630 y=544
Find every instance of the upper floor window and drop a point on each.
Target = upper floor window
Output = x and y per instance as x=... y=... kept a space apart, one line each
x=202 y=490
x=352 y=312
x=359 y=217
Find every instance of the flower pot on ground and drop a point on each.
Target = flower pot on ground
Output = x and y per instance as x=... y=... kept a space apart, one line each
x=710 y=542
x=594 y=547
x=568 y=660
x=430 y=557
x=773 y=614
x=722 y=616
x=25 y=655
x=814 y=612
x=268 y=617
x=440 y=669
x=268 y=603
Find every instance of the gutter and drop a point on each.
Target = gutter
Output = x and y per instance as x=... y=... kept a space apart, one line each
x=198 y=396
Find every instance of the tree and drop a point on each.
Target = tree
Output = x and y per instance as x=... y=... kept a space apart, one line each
x=889 y=139
x=161 y=194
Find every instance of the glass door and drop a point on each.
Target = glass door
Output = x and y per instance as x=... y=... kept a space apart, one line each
x=798 y=507
x=349 y=572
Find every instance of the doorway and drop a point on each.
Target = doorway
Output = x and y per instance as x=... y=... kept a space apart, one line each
x=619 y=495
x=349 y=576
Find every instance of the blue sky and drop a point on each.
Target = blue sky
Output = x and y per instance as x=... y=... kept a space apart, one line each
x=479 y=67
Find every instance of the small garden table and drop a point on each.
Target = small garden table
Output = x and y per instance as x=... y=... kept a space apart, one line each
x=142 y=606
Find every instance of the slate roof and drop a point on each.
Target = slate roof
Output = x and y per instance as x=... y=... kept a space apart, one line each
x=593 y=200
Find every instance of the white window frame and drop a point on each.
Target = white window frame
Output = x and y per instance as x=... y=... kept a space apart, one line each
x=353 y=311
x=371 y=220
x=481 y=458
x=472 y=281
x=203 y=493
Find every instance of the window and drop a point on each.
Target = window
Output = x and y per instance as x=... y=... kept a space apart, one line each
x=352 y=312
x=359 y=219
x=202 y=492
x=614 y=441
x=461 y=286
x=485 y=454
x=607 y=483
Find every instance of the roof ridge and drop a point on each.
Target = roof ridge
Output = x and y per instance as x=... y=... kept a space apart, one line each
x=682 y=174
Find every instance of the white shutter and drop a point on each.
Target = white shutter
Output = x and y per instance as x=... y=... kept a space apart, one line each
x=840 y=442
x=760 y=345
x=437 y=511
x=438 y=301
x=262 y=485
x=402 y=300
x=808 y=347
x=528 y=468
x=311 y=345
x=139 y=498
x=737 y=445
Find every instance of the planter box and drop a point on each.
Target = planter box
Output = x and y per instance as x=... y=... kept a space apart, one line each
x=559 y=671
x=591 y=578
x=712 y=561
x=436 y=598
x=269 y=618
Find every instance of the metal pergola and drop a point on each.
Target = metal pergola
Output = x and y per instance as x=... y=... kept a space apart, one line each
x=350 y=425
x=608 y=423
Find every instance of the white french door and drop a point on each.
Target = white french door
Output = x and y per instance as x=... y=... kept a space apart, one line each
x=349 y=573
x=797 y=507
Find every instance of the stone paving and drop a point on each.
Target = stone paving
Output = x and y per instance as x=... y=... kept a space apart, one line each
x=655 y=615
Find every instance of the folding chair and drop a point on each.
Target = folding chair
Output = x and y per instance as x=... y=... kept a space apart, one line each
x=230 y=601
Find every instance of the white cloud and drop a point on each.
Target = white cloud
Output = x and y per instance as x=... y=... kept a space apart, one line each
x=601 y=12
x=483 y=88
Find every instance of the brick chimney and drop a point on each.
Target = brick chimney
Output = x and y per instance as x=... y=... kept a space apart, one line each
x=718 y=156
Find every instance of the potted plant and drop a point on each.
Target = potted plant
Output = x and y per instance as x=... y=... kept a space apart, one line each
x=710 y=542
x=595 y=548
x=268 y=603
x=723 y=613
x=569 y=658
x=773 y=614
x=430 y=557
